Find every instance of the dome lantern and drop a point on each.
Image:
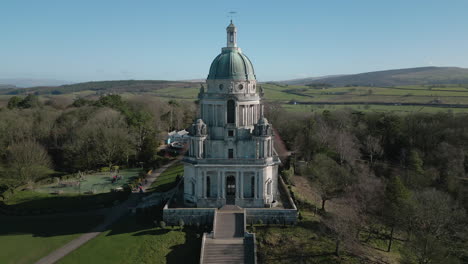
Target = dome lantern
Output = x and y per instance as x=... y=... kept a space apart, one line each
x=231 y=36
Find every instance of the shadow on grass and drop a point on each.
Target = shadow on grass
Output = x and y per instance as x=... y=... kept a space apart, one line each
x=48 y=226
x=63 y=203
x=153 y=232
x=163 y=187
x=141 y=221
x=188 y=252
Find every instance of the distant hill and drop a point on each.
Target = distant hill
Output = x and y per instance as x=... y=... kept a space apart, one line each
x=411 y=76
x=29 y=82
x=7 y=86
x=102 y=87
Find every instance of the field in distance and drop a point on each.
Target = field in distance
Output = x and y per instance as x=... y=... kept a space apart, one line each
x=410 y=98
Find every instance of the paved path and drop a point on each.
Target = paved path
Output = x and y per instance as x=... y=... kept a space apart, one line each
x=114 y=214
x=155 y=174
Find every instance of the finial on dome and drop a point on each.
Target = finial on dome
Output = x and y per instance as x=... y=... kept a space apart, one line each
x=231 y=36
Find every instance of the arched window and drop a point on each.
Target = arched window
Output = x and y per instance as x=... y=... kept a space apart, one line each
x=252 y=186
x=231 y=112
x=269 y=188
x=208 y=186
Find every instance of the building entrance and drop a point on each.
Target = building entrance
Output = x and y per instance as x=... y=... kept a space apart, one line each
x=230 y=190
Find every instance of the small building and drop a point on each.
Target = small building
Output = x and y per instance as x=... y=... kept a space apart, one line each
x=177 y=136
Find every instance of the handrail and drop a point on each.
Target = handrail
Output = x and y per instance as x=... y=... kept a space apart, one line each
x=214 y=223
x=245 y=221
x=202 y=253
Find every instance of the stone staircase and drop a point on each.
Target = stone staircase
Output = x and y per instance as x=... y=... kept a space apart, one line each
x=227 y=244
x=223 y=251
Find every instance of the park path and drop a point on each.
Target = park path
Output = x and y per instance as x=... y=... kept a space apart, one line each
x=113 y=215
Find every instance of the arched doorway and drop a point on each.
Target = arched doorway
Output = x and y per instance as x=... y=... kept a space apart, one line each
x=230 y=190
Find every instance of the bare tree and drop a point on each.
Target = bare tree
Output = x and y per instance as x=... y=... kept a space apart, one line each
x=346 y=147
x=28 y=160
x=436 y=218
x=343 y=226
x=331 y=179
x=373 y=147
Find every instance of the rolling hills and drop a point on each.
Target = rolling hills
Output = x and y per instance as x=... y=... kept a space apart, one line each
x=427 y=89
x=398 y=77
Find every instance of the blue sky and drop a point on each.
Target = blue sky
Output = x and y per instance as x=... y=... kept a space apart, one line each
x=172 y=40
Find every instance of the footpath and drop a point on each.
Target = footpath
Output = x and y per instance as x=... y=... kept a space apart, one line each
x=112 y=216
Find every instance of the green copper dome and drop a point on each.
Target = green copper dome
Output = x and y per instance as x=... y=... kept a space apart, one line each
x=231 y=64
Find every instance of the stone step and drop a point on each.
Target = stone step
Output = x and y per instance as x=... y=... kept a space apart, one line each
x=229 y=225
x=223 y=253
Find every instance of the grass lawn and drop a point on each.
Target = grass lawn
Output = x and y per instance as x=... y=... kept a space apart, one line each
x=133 y=240
x=99 y=182
x=167 y=179
x=32 y=202
x=27 y=239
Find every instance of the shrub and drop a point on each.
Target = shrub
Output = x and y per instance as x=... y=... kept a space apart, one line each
x=105 y=169
x=300 y=217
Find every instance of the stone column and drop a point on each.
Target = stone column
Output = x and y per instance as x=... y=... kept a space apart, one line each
x=254 y=194
x=223 y=184
x=219 y=185
x=237 y=185
x=257 y=188
x=242 y=184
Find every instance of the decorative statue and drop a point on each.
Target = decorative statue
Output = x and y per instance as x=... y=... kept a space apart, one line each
x=198 y=128
x=202 y=88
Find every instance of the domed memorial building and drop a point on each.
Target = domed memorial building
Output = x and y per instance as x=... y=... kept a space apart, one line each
x=231 y=158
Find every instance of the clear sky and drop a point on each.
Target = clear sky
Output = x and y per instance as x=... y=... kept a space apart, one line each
x=85 y=40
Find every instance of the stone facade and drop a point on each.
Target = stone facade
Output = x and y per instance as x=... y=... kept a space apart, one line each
x=231 y=158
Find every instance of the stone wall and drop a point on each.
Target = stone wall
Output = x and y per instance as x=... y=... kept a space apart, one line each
x=271 y=215
x=286 y=215
x=190 y=216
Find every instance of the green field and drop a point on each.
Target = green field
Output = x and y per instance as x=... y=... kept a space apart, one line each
x=131 y=241
x=27 y=239
x=99 y=182
x=415 y=98
x=167 y=179
x=409 y=98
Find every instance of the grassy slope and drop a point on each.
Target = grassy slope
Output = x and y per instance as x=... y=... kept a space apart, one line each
x=306 y=242
x=167 y=179
x=129 y=241
x=421 y=75
x=27 y=239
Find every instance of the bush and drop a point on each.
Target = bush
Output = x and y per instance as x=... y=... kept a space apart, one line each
x=105 y=169
x=300 y=217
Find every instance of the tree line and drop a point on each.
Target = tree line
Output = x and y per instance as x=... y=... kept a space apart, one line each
x=399 y=175
x=41 y=136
